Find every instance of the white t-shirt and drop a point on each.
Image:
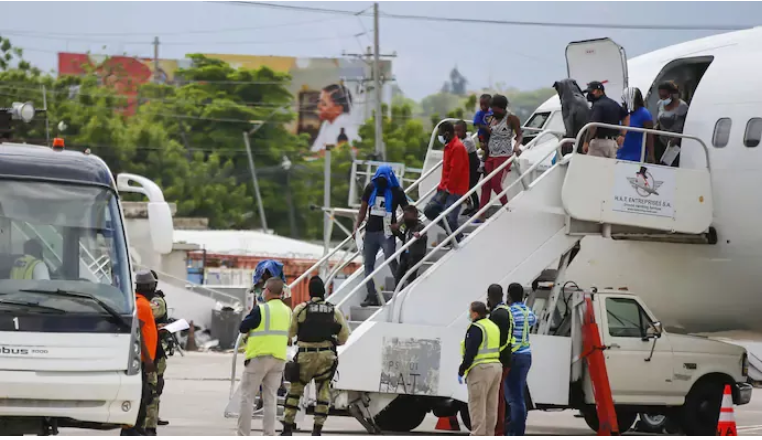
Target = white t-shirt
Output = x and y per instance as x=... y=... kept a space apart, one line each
x=41 y=271
x=330 y=131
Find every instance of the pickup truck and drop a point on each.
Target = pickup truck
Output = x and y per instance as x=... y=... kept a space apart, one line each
x=650 y=370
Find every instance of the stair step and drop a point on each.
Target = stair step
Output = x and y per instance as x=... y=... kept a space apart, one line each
x=354 y=324
x=358 y=313
x=666 y=238
x=436 y=256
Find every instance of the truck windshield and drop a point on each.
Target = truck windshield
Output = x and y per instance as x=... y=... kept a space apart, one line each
x=60 y=236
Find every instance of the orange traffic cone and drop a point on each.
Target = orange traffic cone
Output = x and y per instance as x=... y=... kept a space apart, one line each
x=727 y=423
x=448 y=424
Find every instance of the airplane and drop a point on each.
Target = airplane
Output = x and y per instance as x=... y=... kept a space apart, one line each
x=711 y=287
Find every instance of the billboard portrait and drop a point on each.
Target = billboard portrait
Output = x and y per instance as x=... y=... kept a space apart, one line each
x=330 y=97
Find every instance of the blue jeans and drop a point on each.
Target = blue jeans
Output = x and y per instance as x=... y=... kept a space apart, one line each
x=452 y=217
x=515 y=384
x=373 y=242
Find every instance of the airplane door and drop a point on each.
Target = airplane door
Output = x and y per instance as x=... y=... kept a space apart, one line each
x=598 y=60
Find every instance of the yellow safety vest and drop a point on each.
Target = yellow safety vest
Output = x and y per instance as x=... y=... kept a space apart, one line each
x=511 y=339
x=524 y=331
x=23 y=268
x=489 y=350
x=270 y=338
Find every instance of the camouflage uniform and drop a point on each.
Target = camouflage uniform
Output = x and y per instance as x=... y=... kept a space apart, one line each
x=317 y=360
x=156 y=380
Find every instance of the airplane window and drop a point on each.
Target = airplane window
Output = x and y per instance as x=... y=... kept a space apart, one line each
x=753 y=132
x=721 y=133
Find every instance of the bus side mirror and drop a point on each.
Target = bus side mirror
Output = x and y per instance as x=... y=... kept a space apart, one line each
x=159 y=213
x=162 y=228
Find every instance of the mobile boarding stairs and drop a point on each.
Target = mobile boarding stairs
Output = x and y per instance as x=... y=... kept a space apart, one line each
x=410 y=345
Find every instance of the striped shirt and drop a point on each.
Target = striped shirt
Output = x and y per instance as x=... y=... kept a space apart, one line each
x=518 y=310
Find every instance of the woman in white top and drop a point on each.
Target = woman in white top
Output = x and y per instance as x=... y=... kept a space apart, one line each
x=503 y=128
x=338 y=124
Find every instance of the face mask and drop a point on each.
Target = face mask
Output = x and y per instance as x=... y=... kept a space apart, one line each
x=148 y=294
x=591 y=97
x=442 y=139
x=667 y=101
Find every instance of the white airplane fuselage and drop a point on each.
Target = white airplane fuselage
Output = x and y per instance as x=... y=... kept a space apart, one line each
x=700 y=287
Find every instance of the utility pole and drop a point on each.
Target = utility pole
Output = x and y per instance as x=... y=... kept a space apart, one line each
x=326 y=205
x=156 y=76
x=47 y=120
x=254 y=180
x=380 y=148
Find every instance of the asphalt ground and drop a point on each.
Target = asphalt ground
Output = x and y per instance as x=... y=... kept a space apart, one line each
x=198 y=385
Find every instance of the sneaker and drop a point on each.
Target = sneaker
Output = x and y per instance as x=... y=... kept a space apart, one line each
x=162 y=422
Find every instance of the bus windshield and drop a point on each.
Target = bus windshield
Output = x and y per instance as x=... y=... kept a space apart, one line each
x=58 y=236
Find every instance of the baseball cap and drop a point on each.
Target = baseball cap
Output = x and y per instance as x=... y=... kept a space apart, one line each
x=594 y=85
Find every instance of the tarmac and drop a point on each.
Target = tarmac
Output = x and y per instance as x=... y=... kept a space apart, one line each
x=198 y=385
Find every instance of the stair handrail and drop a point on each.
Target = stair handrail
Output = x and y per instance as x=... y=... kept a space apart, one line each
x=462 y=227
x=339 y=267
x=590 y=125
x=437 y=220
x=433 y=137
x=362 y=227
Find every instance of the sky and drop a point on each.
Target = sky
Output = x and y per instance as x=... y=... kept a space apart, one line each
x=525 y=57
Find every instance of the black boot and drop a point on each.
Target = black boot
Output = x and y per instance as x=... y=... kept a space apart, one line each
x=288 y=429
x=317 y=430
x=370 y=301
x=151 y=431
x=162 y=422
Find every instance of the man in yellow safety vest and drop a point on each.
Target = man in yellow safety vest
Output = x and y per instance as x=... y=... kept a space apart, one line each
x=482 y=369
x=30 y=266
x=267 y=327
x=500 y=314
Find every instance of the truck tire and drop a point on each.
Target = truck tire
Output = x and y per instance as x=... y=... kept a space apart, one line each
x=656 y=424
x=625 y=419
x=404 y=414
x=653 y=423
x=701 y=411
x=465 y=416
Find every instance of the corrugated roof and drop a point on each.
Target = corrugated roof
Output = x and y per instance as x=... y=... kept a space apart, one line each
x=251 y=243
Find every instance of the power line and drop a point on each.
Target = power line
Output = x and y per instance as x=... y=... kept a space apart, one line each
x=595 y=25
x=252 y=104
x=187 y=43
x=163 y=33
x=167 y=115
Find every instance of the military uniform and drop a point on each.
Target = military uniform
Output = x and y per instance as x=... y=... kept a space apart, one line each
x=319 y=327
x=159 y=309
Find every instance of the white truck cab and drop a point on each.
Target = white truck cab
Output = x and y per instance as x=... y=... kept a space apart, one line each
x=651 y=370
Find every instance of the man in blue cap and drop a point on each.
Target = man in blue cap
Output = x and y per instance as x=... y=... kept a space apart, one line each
x=380 y=201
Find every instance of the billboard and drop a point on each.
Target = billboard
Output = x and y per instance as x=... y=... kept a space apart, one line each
x=332 y=96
